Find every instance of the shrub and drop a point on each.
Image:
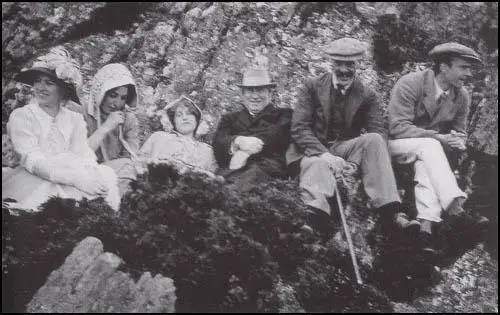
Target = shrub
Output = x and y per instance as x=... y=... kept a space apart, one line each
x=225 y=250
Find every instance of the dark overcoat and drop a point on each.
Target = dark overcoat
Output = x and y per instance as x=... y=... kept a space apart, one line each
x=271 y=125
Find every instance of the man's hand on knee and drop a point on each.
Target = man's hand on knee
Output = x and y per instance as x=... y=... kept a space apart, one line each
x=443 y=138
x=336 y=163
x=457 y=140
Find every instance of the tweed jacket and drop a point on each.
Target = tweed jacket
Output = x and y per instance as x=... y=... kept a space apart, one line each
x=311 y=118
x=271 y=125
x=413 y=110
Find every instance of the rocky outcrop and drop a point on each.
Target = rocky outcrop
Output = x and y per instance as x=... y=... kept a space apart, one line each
x=89 y=281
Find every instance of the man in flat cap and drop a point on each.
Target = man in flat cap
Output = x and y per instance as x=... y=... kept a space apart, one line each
x=250 y=144
x=338 y=119
x=427 y=116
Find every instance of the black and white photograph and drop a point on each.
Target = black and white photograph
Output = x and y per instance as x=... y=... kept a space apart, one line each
x=262 y=157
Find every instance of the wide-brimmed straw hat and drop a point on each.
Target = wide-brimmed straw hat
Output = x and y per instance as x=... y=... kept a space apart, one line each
x=58 y=65
x=256 y=77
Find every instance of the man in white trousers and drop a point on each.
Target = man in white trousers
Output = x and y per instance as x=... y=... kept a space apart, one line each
x=427 y=116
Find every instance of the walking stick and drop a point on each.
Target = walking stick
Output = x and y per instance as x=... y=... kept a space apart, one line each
x=348 y=236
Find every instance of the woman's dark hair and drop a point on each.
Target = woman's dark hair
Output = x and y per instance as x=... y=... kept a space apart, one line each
x=10 y=94
x=131 y=94
x=192 y=110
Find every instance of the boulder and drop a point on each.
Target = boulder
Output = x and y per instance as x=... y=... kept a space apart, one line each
x=88 y=281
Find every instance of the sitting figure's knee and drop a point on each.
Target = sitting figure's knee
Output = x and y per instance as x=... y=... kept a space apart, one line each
x=430 y=144
x=314 y=162
x=373 y=137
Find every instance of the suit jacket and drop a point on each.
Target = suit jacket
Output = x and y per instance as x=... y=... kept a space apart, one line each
x=271 y=125
x=311 y=118
x=413 y=111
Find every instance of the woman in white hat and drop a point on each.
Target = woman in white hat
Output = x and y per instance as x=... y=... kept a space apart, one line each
x=55 y=159
x=113 y=129
x=180 y=146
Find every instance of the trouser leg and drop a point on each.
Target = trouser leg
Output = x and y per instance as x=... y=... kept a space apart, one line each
x=317 y=182
x=441 y=179
x=370 y=152
x=427 y=203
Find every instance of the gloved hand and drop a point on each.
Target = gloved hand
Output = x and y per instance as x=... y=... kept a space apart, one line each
x=251 y=145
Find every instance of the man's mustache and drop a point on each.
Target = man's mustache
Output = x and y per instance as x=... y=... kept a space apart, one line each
x=344 y=73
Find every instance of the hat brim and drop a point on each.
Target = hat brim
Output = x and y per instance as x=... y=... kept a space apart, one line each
x=257 y=85
x=346 y=58
x=28 y=77
x=438 y=55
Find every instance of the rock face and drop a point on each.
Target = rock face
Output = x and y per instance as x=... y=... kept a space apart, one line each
x=88 y=281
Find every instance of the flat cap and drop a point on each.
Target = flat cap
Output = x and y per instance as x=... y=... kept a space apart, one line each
x=346 y=49
x=453 y=48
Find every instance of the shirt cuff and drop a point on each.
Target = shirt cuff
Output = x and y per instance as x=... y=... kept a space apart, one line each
x=233 y=148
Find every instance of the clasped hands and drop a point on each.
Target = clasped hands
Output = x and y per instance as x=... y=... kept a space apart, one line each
x=455 y=140
x=336 y=163
x=251 y=145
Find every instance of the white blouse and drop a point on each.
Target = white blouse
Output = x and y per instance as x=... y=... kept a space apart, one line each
x=164 y=145
x=38 y=137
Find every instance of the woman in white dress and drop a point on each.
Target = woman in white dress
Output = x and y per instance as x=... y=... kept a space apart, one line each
x=51 y=140
x=180 y=145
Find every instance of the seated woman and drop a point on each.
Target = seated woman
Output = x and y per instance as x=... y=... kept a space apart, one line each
x=180 y=146
x=113 y=129
x=51 y=140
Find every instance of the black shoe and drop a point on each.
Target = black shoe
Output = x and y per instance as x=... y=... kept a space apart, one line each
x=410 y=227
x=479 y=221
x=479 y=224
x=427 y=246
x=455 y=221
x=306 y=228
x=318 y=221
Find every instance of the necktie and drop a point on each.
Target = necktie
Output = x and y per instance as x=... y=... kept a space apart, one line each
x=441 y=98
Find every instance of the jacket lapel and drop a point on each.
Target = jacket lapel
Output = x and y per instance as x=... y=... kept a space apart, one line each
x=429 y=100
x=447 y=109
x=324 y=89
x=243 y=119
x=353 y=101
x=268 y=109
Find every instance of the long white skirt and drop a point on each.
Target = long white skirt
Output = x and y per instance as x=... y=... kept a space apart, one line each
x=30 y=191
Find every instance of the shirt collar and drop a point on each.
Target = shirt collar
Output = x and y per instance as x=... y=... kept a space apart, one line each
x=439 y=90
x=62 y=120
x=344 y=89
x=42 y=115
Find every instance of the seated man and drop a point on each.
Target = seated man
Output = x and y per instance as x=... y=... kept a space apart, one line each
x=250 y=144
x=338 y=118
x=427 y=115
